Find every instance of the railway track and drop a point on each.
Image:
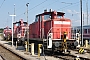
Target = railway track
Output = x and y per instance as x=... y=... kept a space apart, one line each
x=69 y=57
x=62 y=56
x=85 y=50
x=8 y=55
x=1 y=58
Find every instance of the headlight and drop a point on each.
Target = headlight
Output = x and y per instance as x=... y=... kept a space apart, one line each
x=4 y=35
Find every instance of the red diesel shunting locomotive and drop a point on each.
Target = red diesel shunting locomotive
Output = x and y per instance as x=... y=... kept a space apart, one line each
x=19 y=31
x=51 y=26
x=7 y=33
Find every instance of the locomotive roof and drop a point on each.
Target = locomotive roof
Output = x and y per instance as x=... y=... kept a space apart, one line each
x=46 y=13
x=6 y=28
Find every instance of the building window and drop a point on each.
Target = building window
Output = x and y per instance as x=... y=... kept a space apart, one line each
x=85 y=31
x=88 y=30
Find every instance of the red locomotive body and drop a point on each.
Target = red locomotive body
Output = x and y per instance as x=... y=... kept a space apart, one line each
x=50 y=22
x=50 y=26
x=58 y=27
x=7 y=33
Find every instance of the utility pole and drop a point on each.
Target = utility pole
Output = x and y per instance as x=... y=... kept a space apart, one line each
x=81 y=24
x=83 y=19
x=27 y=11
x=12 y=28
x=27 y=29
x=87 y=11
x=14 y=12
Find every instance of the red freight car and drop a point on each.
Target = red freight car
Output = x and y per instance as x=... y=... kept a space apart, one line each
x=7 y=33
x=50 y=26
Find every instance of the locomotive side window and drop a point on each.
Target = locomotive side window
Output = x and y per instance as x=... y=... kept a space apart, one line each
x=40 y=18
x=46 y=17
x=36 y=19
x=17 y=24
x=25 y=24
x=58 y=16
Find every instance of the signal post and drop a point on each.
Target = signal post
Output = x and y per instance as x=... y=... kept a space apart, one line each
x=12 y=27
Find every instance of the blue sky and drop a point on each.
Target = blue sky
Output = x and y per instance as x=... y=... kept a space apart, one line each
x=70 y=7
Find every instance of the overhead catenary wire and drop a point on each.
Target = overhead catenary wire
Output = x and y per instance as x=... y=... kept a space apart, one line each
x=22 y=5
x=33 y=7
x=47 y=5
x=2 y=3
x=19 y=7
x=55 y=1
x=37 y=5
x=52 y=3
x=67 y=6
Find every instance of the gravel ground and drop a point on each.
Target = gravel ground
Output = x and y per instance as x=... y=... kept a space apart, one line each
x=8 y=55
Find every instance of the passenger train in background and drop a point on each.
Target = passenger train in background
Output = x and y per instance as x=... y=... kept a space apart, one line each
x=48 y=28
x=86 y=32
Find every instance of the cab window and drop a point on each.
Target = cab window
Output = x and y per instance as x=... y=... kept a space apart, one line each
x=36 y=19
x=46 y=17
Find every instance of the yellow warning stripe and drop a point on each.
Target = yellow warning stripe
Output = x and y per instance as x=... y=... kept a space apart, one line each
x=81 y=50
